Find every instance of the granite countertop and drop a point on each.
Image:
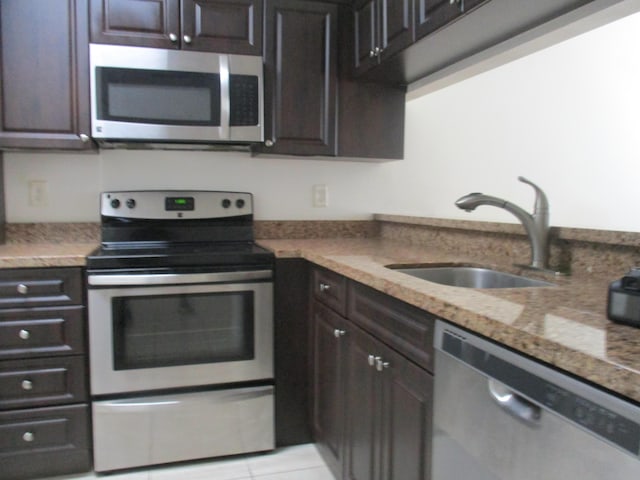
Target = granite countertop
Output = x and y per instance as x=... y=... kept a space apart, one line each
x=23 y=255
x=564 y=325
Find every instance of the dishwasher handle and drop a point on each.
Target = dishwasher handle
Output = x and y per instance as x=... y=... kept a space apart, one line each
x=514 y=404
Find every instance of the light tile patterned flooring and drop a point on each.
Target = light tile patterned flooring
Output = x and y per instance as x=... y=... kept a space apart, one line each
x=300 y=462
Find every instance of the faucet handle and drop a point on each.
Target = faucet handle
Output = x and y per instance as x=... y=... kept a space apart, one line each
x=541 y=206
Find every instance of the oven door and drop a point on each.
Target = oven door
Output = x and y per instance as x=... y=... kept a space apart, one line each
x=151 y=332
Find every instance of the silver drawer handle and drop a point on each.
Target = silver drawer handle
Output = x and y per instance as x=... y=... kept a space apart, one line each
x=24 y=334
x=380 y=364
x=22 y=288
x=27 y=385
x=324 y=287
x=28 y=437
x=339 y=333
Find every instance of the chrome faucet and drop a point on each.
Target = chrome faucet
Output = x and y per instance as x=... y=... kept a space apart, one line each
x=535 y=224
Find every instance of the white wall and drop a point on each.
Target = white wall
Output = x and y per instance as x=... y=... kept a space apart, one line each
x=567 y=117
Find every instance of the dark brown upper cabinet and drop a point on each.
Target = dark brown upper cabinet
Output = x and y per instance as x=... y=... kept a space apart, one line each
x=229 y=26
x=44 y=75
x=432 y=15
x=381 y=29
x=300 y=77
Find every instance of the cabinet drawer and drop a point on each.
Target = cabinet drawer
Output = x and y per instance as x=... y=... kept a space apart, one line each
x=330 y=289
x=44 y=442
x=403 y=327
x=40 y=382
x=33 y=287
x=41 y=332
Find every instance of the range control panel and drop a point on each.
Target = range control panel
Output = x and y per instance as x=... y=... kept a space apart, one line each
x=175 y=204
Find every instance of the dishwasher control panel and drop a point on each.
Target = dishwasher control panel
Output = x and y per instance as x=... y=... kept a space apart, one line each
x=593 y=417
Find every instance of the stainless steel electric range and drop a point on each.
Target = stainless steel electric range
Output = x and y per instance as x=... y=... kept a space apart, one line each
x=180 y=303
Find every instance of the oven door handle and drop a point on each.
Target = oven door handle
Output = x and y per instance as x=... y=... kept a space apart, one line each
x=177 y=278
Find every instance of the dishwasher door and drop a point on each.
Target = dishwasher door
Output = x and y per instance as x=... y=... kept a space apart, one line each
x=498 y=415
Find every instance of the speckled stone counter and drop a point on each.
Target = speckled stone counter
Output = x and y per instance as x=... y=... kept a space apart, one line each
x=44 y=255
x=48 y=244
x=564 y=325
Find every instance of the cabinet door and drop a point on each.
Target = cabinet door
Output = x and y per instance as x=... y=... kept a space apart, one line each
x=365 y=33
x=396 y=26
x=329 y=337
x=228 y=26
x=144 y=23
x=300 y=77
x=362 y=392
x=407 y=403
x=44 y=75
x=45 y=442
x=432 y=15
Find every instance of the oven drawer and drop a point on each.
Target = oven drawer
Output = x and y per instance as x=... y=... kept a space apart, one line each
x=41 y=332
x=33 y=287
x=44 y=442
x=159 y=429
x=40 y=382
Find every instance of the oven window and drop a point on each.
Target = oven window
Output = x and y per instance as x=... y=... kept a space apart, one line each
x=158 y=96
x=184 y=329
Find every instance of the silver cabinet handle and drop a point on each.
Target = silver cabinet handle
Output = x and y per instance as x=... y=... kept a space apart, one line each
x=381 y=364
x=324 y=287
x=24 y=334
x=187 y=39
x=22 y=289
x=27 y=385
x=513 y=403
x=339 y=333
x=173 y=37
x=28 y=436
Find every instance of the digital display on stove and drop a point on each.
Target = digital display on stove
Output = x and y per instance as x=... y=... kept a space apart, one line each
x=179 y=203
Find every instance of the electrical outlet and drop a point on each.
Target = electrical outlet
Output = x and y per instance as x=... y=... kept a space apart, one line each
x=38 y=193
x=320 y=196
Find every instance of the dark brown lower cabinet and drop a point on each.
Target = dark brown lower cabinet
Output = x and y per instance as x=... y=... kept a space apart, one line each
x=388 y=413
x=329 y=348
x=44 y=410
x=44 y=442
x=371 y=405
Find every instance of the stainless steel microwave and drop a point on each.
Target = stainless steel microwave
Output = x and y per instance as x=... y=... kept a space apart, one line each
x=150 y=95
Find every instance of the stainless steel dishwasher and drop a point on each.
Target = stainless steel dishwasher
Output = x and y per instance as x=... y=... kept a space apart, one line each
x=499 y=415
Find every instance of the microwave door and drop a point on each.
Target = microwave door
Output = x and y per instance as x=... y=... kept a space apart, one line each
x=147 y=94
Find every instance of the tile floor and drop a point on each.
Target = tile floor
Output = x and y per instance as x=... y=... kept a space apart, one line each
x=300 y=462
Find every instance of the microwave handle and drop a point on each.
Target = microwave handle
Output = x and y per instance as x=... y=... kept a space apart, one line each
x=225 y=99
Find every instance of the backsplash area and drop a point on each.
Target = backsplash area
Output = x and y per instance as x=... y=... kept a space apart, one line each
x=579 y=252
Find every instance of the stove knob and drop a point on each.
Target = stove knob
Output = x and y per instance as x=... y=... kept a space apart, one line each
x=131 y=203
x=240 y=203
x=115 y=203
x=226 y=203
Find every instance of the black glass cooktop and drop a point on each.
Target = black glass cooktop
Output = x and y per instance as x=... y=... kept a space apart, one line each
x=162 y=255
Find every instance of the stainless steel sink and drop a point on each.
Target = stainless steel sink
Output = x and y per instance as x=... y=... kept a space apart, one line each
x=470 y=277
